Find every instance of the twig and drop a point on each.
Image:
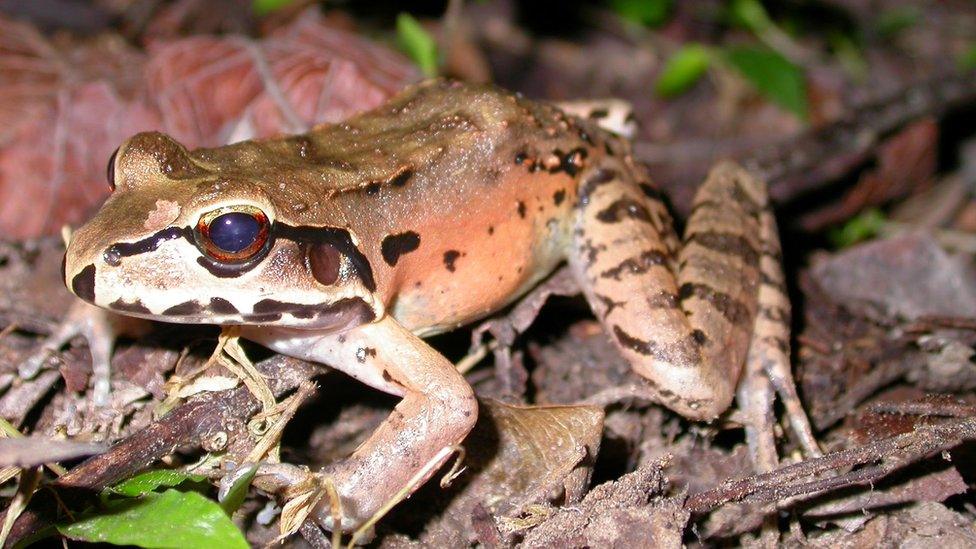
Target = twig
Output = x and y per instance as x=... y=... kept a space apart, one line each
x=884 y=456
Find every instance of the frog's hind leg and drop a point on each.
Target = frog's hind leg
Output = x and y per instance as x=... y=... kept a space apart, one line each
x=768 y=362
x=682 y=318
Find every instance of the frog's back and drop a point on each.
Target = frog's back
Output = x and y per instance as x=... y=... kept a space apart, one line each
x=459 y=194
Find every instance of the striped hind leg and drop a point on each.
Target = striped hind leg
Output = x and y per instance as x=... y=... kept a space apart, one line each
x=767 y=368
x=689 y=317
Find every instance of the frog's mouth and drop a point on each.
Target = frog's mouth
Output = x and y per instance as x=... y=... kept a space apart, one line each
x=344 y=313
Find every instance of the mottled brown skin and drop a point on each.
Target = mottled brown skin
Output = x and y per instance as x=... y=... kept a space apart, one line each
x=439 y=208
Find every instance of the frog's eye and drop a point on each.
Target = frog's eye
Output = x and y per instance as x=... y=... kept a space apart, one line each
x=232 y=235
x=110 y=171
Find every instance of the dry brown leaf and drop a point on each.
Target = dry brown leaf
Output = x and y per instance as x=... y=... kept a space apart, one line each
x=516 y=456
x=64 y=107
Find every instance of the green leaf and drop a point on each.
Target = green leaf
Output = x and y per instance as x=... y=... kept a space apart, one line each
x=967 y=61
x=893 y=21
x=643 y=12
x=750 y=14
x=149 y=481
x=863 y=226
x=417 y=43
x=264 y=7
x=682 y=70
x=773 y=75
x=238 y=491
x=171 y=519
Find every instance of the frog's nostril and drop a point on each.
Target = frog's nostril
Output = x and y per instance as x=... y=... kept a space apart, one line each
x=112 y=256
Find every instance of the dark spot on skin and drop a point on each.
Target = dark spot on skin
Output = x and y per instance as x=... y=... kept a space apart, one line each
x=775 y=314
x=572 y=162
x=491 y=230
x=521 y=209
x=727 y=244
x=396 y=245
x=609 y=304
x=663 y=300
x=636 y=265
x=387 y=377
x=450 y=257
x=778 y=343
x=221 y=306
x=586 y=137
x=775 y=282
x=652 y=192
x=624 y=208
x=185 y=308
x=733 y=310
x=699 y=336
x=134 y=307
x=83 y=284
x=597 y=114
x=342 y=339
x=324 y=261
x=600 y=177
x=558 y=197
x=401 y=178
x=685 y=352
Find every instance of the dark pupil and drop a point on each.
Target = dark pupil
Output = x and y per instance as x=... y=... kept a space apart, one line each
x=233 y=232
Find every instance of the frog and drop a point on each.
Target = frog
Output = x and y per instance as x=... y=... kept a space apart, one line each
x=349 y=244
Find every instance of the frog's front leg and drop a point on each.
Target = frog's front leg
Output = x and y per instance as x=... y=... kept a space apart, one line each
x=685 y=316
x=437 y=411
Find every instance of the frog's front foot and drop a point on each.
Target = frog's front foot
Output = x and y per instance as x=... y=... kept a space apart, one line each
x=100 y=328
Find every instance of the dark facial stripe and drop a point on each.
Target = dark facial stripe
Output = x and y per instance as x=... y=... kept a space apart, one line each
x=396 y=245
x=220 y=305
x=134 y=307
x=116 y=251
x=185 y=308
x=727 y=244
x=624 y=208
x=346 y=312
x=83 y=284
x=733 y=310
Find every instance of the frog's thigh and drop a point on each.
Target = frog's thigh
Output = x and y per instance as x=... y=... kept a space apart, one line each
x=437 y=411
x=683 y=322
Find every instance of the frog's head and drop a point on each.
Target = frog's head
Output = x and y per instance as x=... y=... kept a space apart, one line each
x=184 y=239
